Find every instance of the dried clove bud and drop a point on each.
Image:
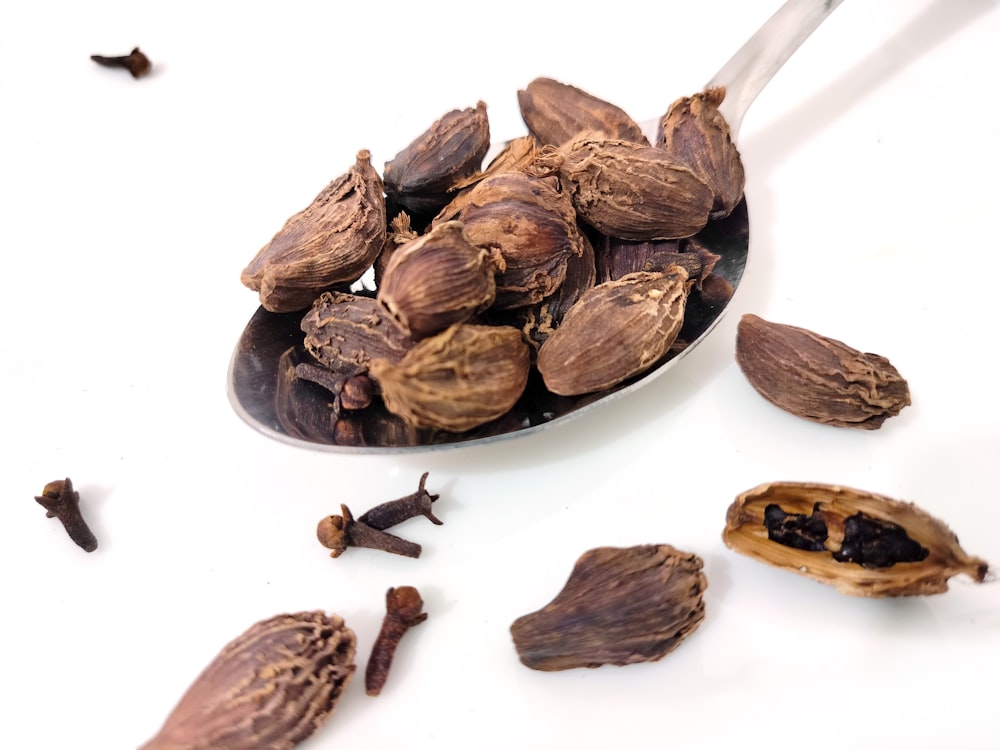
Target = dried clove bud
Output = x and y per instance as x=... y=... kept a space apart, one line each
x=620 y=606
x=458 y=379
x=390 y=513
x=271 y=687
x=438 y=279
x=862 y=543
x=556 y=112
x=695 y=132
x=135 y=62
x=818 y=378
x=614 y=331
x=337 y=533
x=403 y=610
x=330 y=243
x=628 y=190
x=61 y=501
x=420 y=176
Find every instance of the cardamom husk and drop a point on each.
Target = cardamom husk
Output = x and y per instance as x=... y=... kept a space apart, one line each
x=458 y=379
x=270 y=688
x=421 y=176
x=628 y=190
x=818 y=378
x=616 y=330
x=331 y=242
x=620 y=606
x=862 y=543
x=695 y=132
x=556 y=112
x=438 y=279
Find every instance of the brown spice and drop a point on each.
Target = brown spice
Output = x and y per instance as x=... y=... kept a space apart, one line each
x=403 y=607
x=61 y=501
x=135 y=62
x=337 y=533
x=393 y=512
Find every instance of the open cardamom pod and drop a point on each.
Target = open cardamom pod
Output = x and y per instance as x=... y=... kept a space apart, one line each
x=420 y=176
x=629 y=190
x=614 y=331
x=861 y=543
x=331 y=242
x=556 y=112
x=271 y=687
x=438 y=279
x=818 y=378
x=620 y=606
x=458 y=379
x=695 y=132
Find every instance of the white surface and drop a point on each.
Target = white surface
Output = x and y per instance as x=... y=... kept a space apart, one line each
x=128 y=209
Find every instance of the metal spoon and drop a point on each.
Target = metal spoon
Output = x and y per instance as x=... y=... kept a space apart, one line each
x=295 y=411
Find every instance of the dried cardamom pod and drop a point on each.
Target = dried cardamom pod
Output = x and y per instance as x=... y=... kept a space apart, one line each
x=556 y=112
x=438 y=279
x=452 y=149
x=620 y=606
x=695 y=132
x=818 y=378
x=345 y=332
x=331 y=242
x=628 y=190
x=862 y=543
x=614 y=331
x=531 y=222
x=458 y=379
x=271 y=687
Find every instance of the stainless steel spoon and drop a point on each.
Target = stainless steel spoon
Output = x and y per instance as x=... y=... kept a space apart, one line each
x=298 y=412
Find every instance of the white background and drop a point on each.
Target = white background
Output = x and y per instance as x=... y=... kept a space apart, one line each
x=128 y=209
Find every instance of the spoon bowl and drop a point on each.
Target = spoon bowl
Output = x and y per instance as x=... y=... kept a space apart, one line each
x=265 y=394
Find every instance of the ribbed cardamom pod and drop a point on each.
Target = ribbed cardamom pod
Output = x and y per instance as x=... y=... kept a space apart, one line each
x=695 y=132
x=556 y=112
x=818 y=378
x=268 y=689
x=458 y=379
x=345 y=332
x=614 y=331
x=438 y=279
x=861 y=543
x=331 y=242
x=531 y=222
x=628 y=190
x=620 y=606
x=420 y=176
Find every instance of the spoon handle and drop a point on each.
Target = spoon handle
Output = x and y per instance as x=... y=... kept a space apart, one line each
x=756 y=62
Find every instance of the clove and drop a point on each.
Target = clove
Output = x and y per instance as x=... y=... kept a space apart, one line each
x=63 y=502
x=396 y=511
x=135 y=62
x=337 y=533
x=403 y=607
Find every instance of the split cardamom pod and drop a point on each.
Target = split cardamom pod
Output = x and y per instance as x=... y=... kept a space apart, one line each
x=458 y=379
x=614 y=331
x=556 y=112
x=629 y=190
x=421 y=176
x=438 y=279
x=695 y=132
x=620 y=606
x=862 y=543
x=331 y=242
x=271 y=687
x=818 y=378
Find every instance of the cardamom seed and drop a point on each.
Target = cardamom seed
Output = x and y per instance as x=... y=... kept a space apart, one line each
x=616 y=330
x=271 y=687
x=620 y=606
x=695 y=132
x=818 y=378
x=862 y=543
x=456 y=380
x=331 y=242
